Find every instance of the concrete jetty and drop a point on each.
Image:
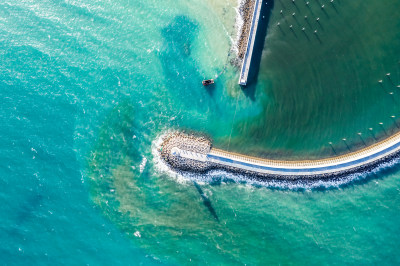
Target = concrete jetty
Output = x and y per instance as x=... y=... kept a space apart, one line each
x=184 y=152
x=248 y=36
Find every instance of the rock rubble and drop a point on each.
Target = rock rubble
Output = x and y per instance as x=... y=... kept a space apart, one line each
x=188 y=142
x=246 y=10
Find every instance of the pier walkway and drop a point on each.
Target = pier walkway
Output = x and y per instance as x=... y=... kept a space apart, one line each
x=244 y=73
x=350 y=162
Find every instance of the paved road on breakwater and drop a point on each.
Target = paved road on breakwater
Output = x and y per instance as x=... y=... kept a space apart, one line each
x=340 y=164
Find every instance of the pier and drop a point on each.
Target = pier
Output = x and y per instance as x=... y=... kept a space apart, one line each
x=248 y=41
x=196 y=154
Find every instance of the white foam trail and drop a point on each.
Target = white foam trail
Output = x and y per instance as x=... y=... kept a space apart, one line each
x=143 y=164
x=222 y=176
x=238 y=25
x=159 y=164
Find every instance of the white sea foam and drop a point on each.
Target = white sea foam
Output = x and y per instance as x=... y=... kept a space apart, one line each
x=238 y=25
x=159 y=164
x=142 y=164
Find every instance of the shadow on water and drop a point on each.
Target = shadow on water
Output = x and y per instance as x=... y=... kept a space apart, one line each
x=25 y=211
x=210 y=89
x=265 y=15
x=206 y=201
x=33 y=202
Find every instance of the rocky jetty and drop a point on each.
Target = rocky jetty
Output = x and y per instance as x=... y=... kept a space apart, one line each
x=187 y=142
x=366 y=168
x=190 y=153
x=246 y=10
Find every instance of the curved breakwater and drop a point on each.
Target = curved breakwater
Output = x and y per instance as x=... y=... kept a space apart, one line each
x=183 y=152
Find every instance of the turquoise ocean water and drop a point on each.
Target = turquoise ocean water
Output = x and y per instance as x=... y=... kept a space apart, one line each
x=88 y=87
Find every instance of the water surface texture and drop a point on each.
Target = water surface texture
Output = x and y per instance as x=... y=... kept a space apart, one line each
x=89 y=86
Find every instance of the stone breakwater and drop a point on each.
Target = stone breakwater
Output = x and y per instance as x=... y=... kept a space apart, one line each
x=367 y=168
x=246 y=10
x=187 y=142
x=190 y=153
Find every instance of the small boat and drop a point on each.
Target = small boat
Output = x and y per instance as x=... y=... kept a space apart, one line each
x=208 y=82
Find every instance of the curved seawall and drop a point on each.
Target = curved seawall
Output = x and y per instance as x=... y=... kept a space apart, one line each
x=191 y=153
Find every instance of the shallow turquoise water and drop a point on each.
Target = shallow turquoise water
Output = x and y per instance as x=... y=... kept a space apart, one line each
x=88 y=87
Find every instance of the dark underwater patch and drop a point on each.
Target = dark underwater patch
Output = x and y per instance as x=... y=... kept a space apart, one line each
x=179 y=65
x=178 y=36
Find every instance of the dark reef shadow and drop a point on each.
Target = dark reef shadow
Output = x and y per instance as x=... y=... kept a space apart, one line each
x=206 y=201
x=261 y=34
